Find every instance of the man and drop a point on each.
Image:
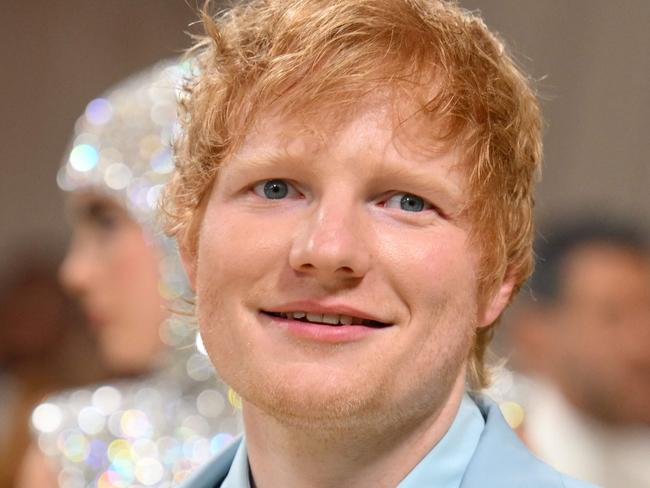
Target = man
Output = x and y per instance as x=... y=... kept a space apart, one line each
x=584 y=340
x=353 y=203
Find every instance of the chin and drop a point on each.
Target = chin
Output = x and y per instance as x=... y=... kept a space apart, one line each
x=319 y=400
x=291 y=390
x=310 y=407
x=123 y=361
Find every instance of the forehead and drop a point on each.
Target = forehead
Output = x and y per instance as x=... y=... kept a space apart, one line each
x=602 y=271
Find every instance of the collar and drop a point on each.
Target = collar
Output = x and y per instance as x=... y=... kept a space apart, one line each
x=499 y=461
x=444 y=466
x=502 y=461
x=238 y=475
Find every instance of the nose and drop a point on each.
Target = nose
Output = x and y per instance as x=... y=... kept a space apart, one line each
x=76 y=270
x=331 y=244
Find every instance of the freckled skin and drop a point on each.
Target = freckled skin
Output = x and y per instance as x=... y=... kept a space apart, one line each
x=336 y=240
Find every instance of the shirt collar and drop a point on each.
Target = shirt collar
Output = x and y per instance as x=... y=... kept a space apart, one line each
x=238 y=476
x=444 y=466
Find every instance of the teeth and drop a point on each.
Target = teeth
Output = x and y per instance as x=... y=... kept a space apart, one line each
x=315 y=317
x=330 y=319
x=327 y=318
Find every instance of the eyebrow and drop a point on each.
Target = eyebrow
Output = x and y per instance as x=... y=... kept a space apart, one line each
x=415 y=178
x=260 y=160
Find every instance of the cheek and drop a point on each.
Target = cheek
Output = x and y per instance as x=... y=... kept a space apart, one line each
x=431 y=270
x=135 y=266
x=130 y=252
x=241 y=257
x=237 y=248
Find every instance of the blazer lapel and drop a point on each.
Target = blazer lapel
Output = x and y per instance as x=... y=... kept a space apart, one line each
x=501 y=460
x=213 y=474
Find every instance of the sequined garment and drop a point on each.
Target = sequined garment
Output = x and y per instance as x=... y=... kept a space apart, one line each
x=155 y=430
x=150 y=432
x=121 y=148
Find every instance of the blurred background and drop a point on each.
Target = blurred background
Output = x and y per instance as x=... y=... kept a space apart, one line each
x=56 y=56
x=591 y=59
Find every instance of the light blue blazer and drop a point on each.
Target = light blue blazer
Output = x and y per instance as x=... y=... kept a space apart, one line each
x=500 y=461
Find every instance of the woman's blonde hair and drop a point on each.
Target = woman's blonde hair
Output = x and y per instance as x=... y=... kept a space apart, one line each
x=325 y=55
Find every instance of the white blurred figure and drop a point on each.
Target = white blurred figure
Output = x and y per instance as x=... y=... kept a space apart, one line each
x=584 y=343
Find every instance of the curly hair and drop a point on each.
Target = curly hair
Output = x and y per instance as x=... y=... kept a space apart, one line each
x=326 y=55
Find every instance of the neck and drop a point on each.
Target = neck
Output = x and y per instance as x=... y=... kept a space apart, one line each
x=283 y=454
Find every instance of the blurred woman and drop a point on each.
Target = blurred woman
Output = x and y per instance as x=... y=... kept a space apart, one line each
x=169 y=413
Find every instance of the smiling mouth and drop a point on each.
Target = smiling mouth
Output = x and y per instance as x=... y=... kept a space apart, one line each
x=326 y=319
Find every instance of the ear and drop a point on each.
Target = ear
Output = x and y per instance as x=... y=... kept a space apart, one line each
x=496 y=303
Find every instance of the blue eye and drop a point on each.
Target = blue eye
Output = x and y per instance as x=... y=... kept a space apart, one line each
x=408 y=202
x=274 y=189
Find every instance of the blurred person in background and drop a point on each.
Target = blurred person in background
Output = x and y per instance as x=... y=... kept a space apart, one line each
x=42 y=341
x=584 y=339
x=168 y=413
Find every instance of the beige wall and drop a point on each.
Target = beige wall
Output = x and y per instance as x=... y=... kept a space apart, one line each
x=55 y=56
x=593 y=56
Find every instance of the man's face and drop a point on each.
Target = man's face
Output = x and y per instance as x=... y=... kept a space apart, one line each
x=345 y=225
x=603 y=332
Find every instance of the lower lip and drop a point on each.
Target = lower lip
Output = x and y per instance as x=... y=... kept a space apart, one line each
x=323 y=333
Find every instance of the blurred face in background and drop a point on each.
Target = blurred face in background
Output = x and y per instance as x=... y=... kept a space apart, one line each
x=112 y=269
x=601 y=332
